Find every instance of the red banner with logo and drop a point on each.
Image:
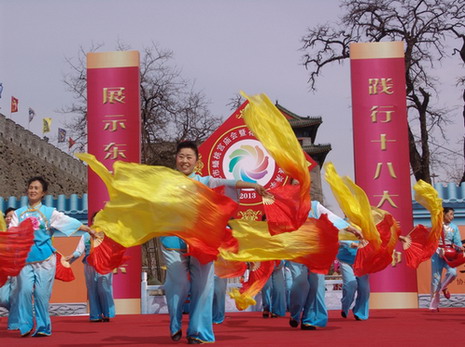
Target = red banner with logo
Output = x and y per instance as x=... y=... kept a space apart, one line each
x=113 y=129
x=381 y=148
x=233 y=152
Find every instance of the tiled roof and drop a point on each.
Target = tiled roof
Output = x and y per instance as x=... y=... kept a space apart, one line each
x=74 y=205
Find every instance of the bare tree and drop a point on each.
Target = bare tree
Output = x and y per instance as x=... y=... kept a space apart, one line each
x=424 y=26
x=171 y=110
x=461 y=82
x=235 y=102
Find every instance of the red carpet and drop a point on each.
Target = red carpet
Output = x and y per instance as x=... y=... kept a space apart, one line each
x=415 y=327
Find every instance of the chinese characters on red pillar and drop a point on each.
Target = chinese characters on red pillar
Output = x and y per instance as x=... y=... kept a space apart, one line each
x=383 y=114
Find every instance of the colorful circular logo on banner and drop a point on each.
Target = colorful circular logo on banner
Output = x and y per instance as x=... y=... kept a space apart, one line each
x=246 y=160
x=238 y=155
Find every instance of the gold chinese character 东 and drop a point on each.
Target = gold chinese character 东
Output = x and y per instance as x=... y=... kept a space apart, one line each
x=113 y=94
x=113 y=151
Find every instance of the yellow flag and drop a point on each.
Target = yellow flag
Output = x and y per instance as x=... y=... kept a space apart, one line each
x=47 y=123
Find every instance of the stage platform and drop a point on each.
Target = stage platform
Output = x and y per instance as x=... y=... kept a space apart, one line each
x=412 y=327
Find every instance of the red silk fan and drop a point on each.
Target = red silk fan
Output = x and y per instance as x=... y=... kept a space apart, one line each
x=15 y=244
x=282 y=210
x=415 y=246
x=106 y=254
x=63 y=269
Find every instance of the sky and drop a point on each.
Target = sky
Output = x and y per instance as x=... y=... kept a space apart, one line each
x=223 y=46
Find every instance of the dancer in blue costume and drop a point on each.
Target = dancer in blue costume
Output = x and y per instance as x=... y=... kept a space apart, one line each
x=186 y=272
x=288 y=283
x=7 y=299
x=352 y=284
x=451 y=235
x=307 y=296
x=219 y=299
x=35 y=280
x=99 y=287
x=274 y=293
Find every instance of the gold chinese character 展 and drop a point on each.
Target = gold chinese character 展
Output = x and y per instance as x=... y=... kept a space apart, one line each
x=113 y=94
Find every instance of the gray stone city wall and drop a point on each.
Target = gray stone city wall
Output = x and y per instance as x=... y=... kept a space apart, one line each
x=24 y=155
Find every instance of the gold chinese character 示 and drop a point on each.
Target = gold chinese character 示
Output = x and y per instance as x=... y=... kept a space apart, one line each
x=380 y=85
x=112 y=125
x=383 y=141
x=386 y=197
x=379 y=166
x=381 y=109
x=114 y=94
x=114 y=151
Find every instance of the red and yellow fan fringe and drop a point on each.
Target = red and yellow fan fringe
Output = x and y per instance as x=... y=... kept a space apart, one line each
x=354 y=202
x=314 y=244
x=150 y=201
x=371 y=259
x=422 y=243
x=229 y=269
x=244 y=297
x=274 y=132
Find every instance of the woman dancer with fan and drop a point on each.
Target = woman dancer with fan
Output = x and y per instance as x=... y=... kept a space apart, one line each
x=7 y=299
x=450 y=236
x=307 y=295
x=36 y=278
x=184 y=272
x=99 y=287
x=351 y=283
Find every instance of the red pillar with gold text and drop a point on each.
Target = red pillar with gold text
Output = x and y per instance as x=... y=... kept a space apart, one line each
x=381 y=154
x=113 y=128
